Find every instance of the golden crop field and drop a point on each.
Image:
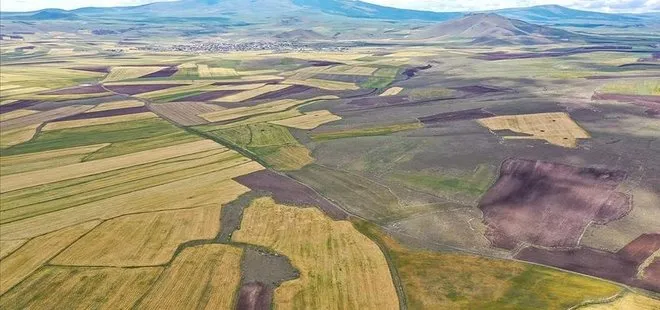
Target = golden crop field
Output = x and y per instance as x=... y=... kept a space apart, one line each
x=350 y=70
x=289 y=157
x=630 y=301
x=98 y=121
x=9 y=246
x=214 y=268
x=323 y=84
x=264 y=108
x=556 y=128
x=42 y=160
x=29 y=257
x=339 y=267
x=251 y=93
x=146 y=239
x=16 y=114
x=128 y=73
x=10 y=137
x=81 y=288
x=392 y=91
x=309 y=120
x=205 y=71
x=116 y=105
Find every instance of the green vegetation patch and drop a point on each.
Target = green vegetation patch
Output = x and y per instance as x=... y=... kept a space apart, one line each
x=377 y=82
x=365 y=132
x=436 y=280
x=129 y=132
x=429 y=93
x=473 y=185
x=645 y=88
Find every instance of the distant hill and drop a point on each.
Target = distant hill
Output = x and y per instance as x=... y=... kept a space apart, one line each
x=53 y=14
x=490 y=28
x=301 y=35
x=359 y=9
x=556 y=14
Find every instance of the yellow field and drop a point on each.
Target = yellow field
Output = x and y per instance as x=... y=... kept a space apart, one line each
x=8 y=246
x=556 y=128
x=204 y=71
x=309 y=120
x=339 y=267
x=141 y=239
x=236 y=87
x=290 y=157
x=323 y=84
x=201 y=277
x=98 y=121
x=42 y=160
x=350 y=70
x=393 y=91
x=16 y=114
x=17 y=266
x=81 y=288
x=9 y=137
x=127 y=73
x=117 y=105
x=249 y=94
x=22 y=91
x=629 y=301
x=50 y=175
x=265 y=108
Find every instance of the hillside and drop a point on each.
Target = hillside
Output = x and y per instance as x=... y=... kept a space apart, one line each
x=493 y=28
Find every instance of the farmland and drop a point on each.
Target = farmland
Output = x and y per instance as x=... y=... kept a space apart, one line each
x=315 y=158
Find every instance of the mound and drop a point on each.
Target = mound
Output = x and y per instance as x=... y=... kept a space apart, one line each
x=495 y=29
x=301 y=35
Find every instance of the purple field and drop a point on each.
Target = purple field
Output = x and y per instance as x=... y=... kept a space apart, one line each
x=288 y=191
x=283 y=93
x=21 y=104
x=455 y=116
x=139 y=89
x=115 y=112
x=166 y=72
x=207 y=96
x=99 y=69
x=549 y=204
x=254 y=296
x=410 y=72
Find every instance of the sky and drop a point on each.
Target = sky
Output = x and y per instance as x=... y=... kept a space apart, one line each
x=637 y=6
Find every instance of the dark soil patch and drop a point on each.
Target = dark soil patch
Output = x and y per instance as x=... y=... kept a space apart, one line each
x=378 y=101
x=410 y=72
x=549 y=204
x=98 y=69
x=480 y=89
x=287 y=92
x=288 y=191
x=620 y=266
x=165 y=72
x=455 y=116
x=358 y=79
x=323 y=63
x=207 y=96
x=20 y=104
x=557 y=52
x=80 y=90
x=650 y=102
x=107 y=113
x=272 y=81
x=254 y=296
x=140 y=88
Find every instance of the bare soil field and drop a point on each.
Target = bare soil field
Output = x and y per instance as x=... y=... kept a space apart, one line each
x=254 y=296
x=441 y=118
x=17 y=105
x=550 y=204
x=165 y=72
x=43 y=117
x=290 y=192
x=106 y=113
x=647 y=101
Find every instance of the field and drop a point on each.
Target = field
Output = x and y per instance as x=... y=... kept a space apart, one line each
x=338 y=265
x=298 y=157
x=555 y=128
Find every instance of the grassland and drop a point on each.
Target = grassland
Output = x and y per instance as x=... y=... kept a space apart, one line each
x=216 y=266
x=41 y=160
x=127 y=73
x=628 y=301
x=147 y=239
x=473 y=186
x=555 y=128
x=338 y=266
x=11 y=137
x=364 y=132
x=98 y=121
x=436 y=280
x=642 y=88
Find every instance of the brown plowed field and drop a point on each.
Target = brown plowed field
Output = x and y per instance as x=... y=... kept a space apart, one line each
x=549 y=204
x=254 y=296
x=107 y=113
x=287 y=191
x=455 y=116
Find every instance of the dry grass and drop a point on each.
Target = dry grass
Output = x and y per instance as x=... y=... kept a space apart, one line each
x=265 y=108
x=50 y=175
x=185 y=113
x=289 y=158
x=42 y=160
x=98 y=121
x=629 y=301
x=339 y=267
x=249 y=94
x=206 y=190
x=309 y=120
x=392 y=91
x=141 y=239
x=204 y=71
x=127 y=73
x=16 y=114
x=350 y=70
x=20 y=264
x=9 y=246
x=11 y=137
x=81 y=288
x=215 y=271
x=323 y=84
x=556 y=128
x=117 y=105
